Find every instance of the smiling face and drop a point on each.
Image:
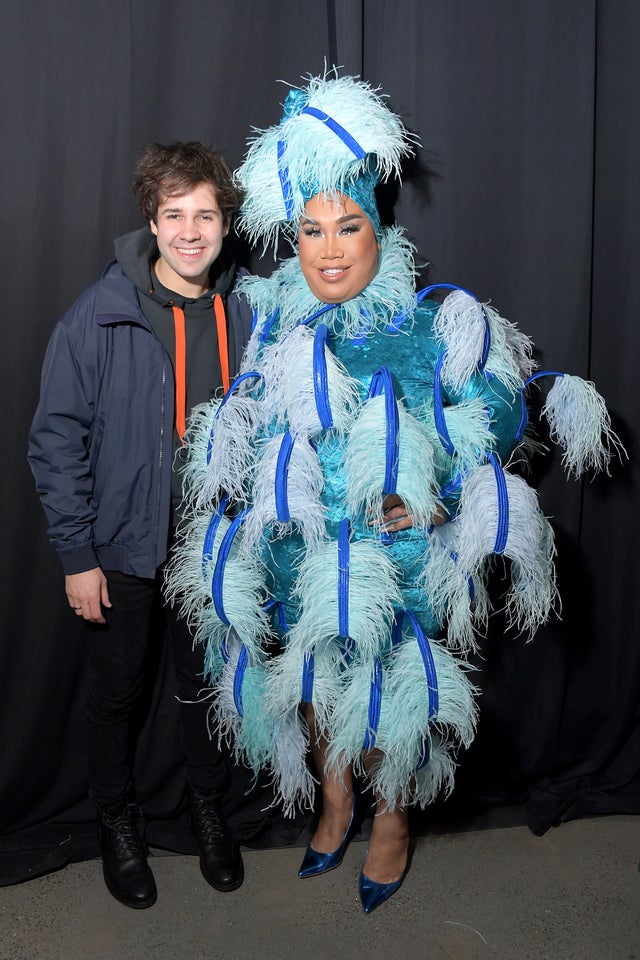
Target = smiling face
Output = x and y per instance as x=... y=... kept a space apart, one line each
x=337 y=248
x=189 y=230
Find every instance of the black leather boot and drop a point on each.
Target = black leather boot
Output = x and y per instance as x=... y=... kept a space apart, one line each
x=124 y=857
x=220 y=858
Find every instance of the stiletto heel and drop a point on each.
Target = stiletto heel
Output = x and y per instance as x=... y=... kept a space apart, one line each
x=314 y=863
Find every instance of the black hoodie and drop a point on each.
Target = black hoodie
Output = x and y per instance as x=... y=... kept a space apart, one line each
x=136 y=253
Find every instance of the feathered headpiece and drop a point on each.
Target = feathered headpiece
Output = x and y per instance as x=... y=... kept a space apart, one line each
x=336 y=135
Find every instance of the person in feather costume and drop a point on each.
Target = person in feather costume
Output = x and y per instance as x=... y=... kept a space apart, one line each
x=347 y=495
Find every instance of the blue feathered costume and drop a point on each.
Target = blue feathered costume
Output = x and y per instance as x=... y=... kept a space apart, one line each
x=288 y=578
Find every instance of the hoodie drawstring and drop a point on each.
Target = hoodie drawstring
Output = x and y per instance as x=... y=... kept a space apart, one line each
x=181 y=359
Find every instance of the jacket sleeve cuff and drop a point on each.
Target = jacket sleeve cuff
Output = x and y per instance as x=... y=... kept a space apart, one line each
x=78 y=559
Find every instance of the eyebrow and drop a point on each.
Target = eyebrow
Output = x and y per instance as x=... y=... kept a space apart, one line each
x=180 y=210
x=345 y=219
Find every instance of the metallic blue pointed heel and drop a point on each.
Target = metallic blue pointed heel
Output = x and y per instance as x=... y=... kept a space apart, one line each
x=314 y=863
x=372 y=894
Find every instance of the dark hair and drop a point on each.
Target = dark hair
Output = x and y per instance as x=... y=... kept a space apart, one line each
x=176 y=169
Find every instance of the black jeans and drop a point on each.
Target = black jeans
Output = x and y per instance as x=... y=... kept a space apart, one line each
x=119 y=653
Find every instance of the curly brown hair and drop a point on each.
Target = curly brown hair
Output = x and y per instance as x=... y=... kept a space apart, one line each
x=176 y=169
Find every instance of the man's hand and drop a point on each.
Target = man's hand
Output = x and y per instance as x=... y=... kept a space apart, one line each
x=87 y=593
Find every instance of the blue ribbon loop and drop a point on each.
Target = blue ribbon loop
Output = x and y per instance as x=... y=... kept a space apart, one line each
x=375 y=702
x=210 y=535
x=382 y=382
x=308 y=673
x=339 y=131
x=542 y=373
x=429 y=665
x=502 y=531
x=524 y=418
x=438 y=408
x=282 y=478
x=320 y=376
x=238 y=678
x=266 y=327
x=217 y=581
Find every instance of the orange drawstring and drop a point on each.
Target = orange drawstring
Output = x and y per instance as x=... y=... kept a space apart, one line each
x=181 y=359
x=181 y=372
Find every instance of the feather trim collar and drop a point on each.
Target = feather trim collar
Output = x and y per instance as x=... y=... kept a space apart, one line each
x=390 y=298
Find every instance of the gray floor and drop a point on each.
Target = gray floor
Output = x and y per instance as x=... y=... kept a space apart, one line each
x=499 y=894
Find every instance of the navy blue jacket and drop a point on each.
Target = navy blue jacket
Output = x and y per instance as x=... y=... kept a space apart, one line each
x=100 y=445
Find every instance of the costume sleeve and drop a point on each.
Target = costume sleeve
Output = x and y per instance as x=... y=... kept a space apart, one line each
x=474 y=408
x=60 y=438
x=487 y=418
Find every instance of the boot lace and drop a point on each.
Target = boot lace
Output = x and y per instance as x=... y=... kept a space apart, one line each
x=208 y=818
x=124 y=838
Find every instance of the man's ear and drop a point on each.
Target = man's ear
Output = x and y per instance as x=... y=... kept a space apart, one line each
x=226 y=226
x=153 y=227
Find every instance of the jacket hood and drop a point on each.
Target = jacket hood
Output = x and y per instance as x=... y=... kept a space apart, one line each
x=137 y=251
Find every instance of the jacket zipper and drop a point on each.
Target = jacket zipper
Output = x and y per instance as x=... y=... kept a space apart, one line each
x=160 y=459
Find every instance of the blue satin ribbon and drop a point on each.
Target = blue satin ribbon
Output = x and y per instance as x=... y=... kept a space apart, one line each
x=502 y=531
x=438 y=408
x=269 y=322
x=210 y=535
x=308 y=672
x=217 y=581
x=318 y=313
x=429 y=665
x=320 y=377
x=375 y=702
x=282 y=478
x=382 y=382
x=524 y=418
x=238 y=678
x=339 y=131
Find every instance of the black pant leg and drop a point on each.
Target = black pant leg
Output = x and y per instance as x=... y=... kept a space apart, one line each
x=206 y=762
x=118 y=651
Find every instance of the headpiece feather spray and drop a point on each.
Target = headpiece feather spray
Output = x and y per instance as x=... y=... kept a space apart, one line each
x=337 y=135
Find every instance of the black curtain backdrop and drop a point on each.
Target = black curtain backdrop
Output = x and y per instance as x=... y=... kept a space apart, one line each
x=526 y=192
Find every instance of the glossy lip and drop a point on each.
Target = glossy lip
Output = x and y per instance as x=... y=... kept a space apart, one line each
x=333 y=274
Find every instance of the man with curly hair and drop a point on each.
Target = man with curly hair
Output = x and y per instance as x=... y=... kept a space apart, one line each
x=158 y=334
